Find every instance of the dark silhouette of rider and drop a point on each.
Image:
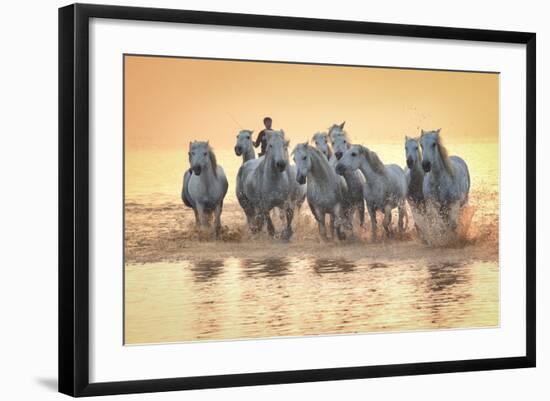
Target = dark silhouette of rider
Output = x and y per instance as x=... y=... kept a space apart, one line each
x=262 y=137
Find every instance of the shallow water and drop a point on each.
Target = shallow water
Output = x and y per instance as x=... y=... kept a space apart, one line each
x=181 y=285
x=280 y=296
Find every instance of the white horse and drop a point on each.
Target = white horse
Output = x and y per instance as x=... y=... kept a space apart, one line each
x=447 y=180
x=245 y=146
x=386 y=186
x=204 y=185
x=267 y=183
x=414 y=172
x=355 y=180
x=325 y=189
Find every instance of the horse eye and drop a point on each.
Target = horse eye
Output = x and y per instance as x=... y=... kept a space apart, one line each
x=354 y=154
x=204 y=154
x=304 y=158
x=433 y=145
x=248 y=137
x=193 y=153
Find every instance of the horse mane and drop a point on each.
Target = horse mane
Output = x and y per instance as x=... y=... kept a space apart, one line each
x=213 y=160
x=374 y=161
x=445 y=157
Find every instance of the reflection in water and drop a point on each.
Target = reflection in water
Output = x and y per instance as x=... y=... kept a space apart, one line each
x=322 y=266
x=269 y=267
x=377 y=265
x=207 y=270
x=282 y=296
x=443 y=275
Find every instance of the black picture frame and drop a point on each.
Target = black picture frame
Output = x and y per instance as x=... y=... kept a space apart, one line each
x=74 y=198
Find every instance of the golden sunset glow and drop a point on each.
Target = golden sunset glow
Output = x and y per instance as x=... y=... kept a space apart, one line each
x=170 y=101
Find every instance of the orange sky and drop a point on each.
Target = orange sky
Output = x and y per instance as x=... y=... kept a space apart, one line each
x=170 y=101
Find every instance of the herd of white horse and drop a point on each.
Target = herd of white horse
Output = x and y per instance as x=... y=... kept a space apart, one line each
x=337 y=177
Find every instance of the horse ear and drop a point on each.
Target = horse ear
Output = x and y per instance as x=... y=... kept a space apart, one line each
x=342 y=125
x=437 y=131
x=421 y=132
x=406 y=138
x=283 y=132
x=287 y=142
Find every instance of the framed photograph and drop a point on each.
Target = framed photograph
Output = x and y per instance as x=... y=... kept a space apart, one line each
x=251 y=199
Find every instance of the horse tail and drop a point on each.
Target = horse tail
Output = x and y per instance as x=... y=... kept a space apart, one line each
x=185 y=197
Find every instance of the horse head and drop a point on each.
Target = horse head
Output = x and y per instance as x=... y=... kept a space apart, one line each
x=429 y=141
x=302 y=161
x=340 y=144
x=351 y=159
x=336 y=129
x=200 y=156
x=244 y=142
x=412 y=151
x=277 y=150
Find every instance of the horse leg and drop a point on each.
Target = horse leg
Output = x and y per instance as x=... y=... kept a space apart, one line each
x=320 y=217
x=402 y=214
x=257 y=218
x=197 y=219
x=331 y=225
x=340 y=219
x=270 y=227
x=372 y=215
x=217 y=219
x=287 y=234
x=361 y=212
x=387 y=220
x=203 y=218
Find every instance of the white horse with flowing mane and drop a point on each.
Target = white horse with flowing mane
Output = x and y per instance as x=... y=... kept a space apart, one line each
x=355 y=180
x=325 y=189
x=385 y=188
x=447 y=180
x=245 y=148
x=267 y=183
x=204 y=185
x=414 y=172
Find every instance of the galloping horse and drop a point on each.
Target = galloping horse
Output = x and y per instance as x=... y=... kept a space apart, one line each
x=204 y=185
x=355 y=180
x=325 y=189
x=386 y=186
x=267 y=183
x=414 y=172
x=447 y=180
